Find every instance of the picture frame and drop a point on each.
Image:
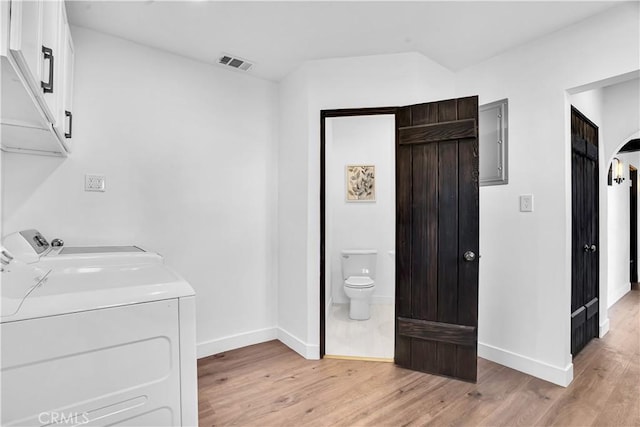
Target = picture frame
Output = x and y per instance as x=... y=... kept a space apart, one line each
x=360 y=183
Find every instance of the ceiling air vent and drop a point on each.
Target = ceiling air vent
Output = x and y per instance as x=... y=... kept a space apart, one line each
x=235 y=62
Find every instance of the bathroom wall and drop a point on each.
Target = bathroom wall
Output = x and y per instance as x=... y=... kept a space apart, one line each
x=360 y=140
x=189 y=154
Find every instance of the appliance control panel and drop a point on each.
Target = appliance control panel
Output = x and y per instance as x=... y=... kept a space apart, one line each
x=35 y=239
x=26 y=246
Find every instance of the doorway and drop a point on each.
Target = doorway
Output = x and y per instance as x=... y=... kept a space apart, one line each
x=437 y=194
x=585 y=231
x=360 y=233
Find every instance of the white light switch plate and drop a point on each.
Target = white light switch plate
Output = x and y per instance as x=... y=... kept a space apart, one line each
x=94 y=183
x=526 y=203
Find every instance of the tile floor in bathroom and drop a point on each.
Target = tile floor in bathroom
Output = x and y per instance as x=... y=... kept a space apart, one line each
x=360 y=338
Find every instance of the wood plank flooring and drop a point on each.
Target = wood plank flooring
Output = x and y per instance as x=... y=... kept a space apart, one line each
x=270 y=385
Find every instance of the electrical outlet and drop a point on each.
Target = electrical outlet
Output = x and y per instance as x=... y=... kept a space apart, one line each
x=94 y=183
x=526 y=203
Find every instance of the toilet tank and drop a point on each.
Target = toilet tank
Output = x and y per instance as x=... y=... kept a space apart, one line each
x=358 y=262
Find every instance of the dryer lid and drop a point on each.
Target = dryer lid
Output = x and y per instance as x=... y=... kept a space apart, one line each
x=74 y=289
x=359 y=282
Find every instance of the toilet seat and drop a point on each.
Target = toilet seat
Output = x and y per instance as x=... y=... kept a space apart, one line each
x=359 y=282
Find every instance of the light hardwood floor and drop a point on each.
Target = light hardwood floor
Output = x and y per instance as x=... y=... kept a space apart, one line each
x=270 y=385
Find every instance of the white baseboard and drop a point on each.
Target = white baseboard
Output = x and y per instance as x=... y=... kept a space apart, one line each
x=308 y=351
x=553 y=374
x=232 y=342
x=604 y=328
x=616 y=293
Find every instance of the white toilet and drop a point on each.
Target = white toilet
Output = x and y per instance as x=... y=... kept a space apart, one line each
x=358 y=272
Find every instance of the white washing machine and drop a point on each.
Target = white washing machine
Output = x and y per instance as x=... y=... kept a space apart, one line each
x=94 y=336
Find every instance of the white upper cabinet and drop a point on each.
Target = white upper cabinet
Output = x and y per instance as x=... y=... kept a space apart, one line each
x=37 y=78
x=25 y=40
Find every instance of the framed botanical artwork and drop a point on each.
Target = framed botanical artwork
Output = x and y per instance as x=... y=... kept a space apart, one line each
x=361 y=183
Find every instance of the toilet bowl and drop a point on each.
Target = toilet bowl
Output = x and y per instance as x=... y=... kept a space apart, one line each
x=358 y=272
x=359 y=289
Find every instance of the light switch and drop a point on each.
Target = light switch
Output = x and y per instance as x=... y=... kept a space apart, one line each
x=526 y=203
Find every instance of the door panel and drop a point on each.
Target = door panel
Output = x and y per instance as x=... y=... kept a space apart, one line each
x=25 y=41
x=437 y=222
x=585 y=232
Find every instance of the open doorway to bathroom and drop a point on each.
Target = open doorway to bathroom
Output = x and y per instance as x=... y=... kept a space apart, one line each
x=359 y=225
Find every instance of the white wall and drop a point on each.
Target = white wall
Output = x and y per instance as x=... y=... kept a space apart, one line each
x=360 y=140
x=590 y=103
x=618 y=230
x=371 y=81
x=188 y=151
x=621 y=115
x=293 y=219
x=525 y=271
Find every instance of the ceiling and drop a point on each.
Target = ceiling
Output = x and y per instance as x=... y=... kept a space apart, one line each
x=279 y=36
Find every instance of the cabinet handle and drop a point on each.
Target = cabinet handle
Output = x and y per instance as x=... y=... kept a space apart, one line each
x=70 y=115
x=48 y=54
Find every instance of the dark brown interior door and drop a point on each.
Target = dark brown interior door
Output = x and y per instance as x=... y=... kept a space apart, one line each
x=437 y=237
x=585 y=232
x=633 y=198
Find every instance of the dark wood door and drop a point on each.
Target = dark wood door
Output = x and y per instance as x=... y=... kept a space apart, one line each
x=437 y=237
x=585 y=231
x=633 y=226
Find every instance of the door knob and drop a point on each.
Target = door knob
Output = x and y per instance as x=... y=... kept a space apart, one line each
x=593 y=248
x=469 y=256
x=586 y=248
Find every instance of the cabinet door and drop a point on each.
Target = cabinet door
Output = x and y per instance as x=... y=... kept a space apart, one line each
x=34 y=45
x=64 y=127
x=26 y=40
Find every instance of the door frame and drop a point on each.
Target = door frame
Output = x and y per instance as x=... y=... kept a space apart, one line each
x=327 y=114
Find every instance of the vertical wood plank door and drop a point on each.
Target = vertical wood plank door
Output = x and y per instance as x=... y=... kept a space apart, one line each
x=584 y=231
x=437 y=237
x=633 y=226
